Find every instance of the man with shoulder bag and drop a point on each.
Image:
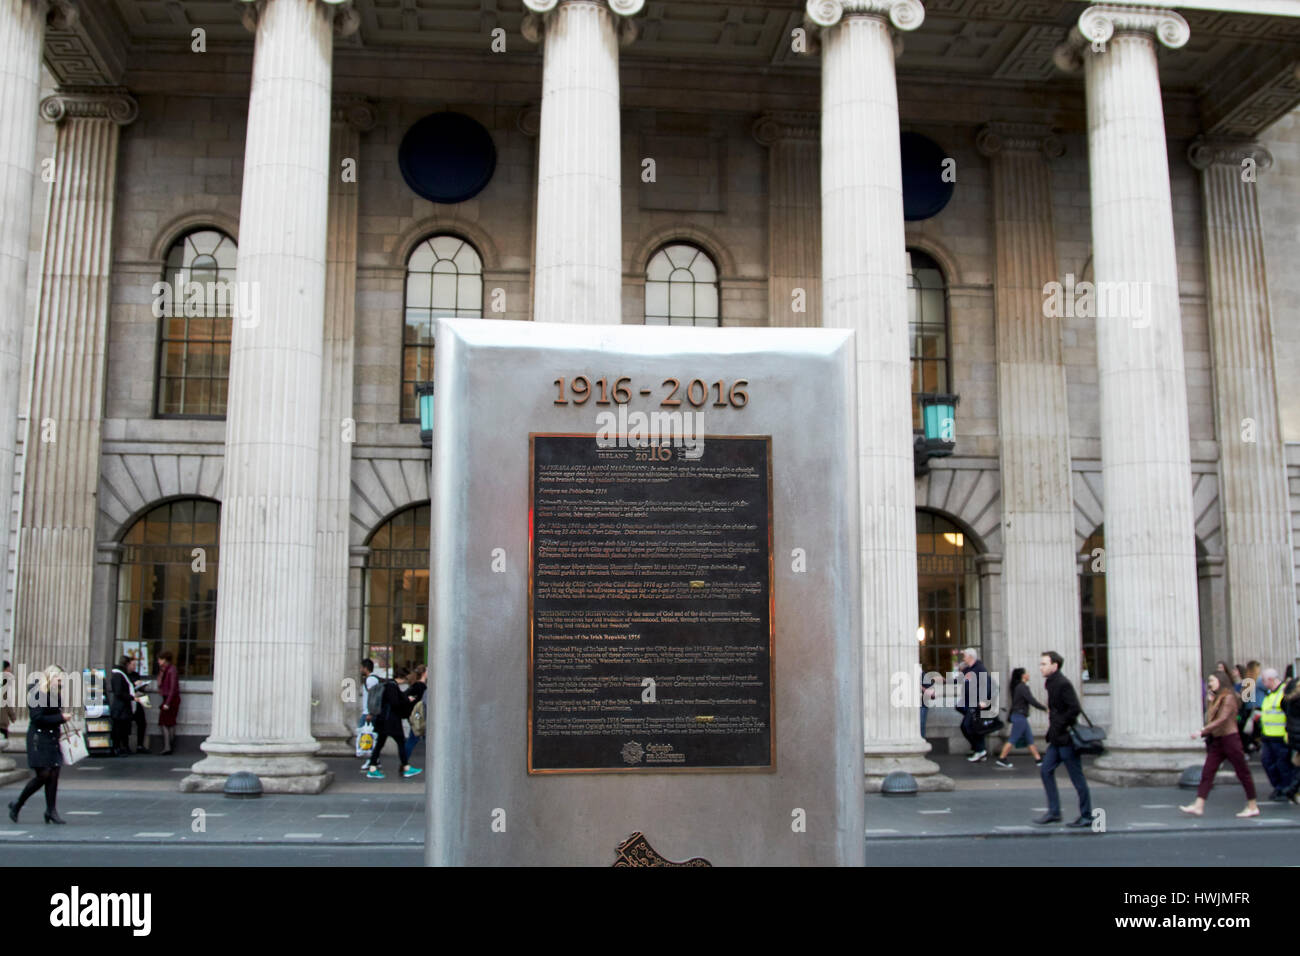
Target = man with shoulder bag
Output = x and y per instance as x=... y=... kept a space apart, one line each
x=1063 y=710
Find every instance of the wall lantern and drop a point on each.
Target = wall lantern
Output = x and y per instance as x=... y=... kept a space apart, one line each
x=424 y=396
x=938 y=418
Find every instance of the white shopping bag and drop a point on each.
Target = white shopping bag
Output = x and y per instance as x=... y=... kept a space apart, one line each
x=72 y=745
x=365 y=740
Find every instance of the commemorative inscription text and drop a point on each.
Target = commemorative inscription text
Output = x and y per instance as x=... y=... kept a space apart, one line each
x=650 y=606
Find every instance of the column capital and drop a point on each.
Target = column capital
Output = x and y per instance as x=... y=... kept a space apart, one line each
x=60 y=14
x=357 y=112
x=996 y=138
x=777 y=125
x=346 y=18
x=1102 y=21
x=903 y=14
x=1206 y=151
x=534 y=24
x=114 y=104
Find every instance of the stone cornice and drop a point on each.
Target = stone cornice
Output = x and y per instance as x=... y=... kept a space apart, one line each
x=117 y=105
x=534 y=23
x=346 y=19
x=997 y=137
x=1205 y=152
x=903 y=14
x=358 y=113
x=775 y=126
x=1100 y=22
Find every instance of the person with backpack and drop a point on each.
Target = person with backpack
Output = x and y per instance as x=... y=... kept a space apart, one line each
x=419 y=714
x=1222 y=743
x=394 y=707
x=1063 y=709
x=371 y=700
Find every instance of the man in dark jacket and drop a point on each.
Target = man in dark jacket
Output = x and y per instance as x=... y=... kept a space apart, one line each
x=1062 y=711
x=976 y=696
x=121 y=702
x=395 y=708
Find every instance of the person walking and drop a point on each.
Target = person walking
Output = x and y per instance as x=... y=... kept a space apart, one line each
x=8 y=713
x=415 y=694
x=1022 y=698
x=975 y=697
x=121 y=700
x=1223 y=743
x=394 y=708
x=45 y=718
x=1062 y=711
x=1274 y=752
x=371 y=701
x=139 y=703
x=169 y=686
x=1291 y=708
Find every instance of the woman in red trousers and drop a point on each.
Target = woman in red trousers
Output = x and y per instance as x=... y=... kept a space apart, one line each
x=1224 y=743
x=169 y=686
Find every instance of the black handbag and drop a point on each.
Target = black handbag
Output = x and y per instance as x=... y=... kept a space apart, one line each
x=1087 y=740
x=991 y=725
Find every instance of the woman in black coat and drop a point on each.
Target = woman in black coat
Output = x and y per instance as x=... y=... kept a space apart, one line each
x=396 y=708
x=43 y=755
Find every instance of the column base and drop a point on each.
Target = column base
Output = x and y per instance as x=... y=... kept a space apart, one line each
x=335 y=741
x=281 y=768
x=1145 y=766
x=925 y=772
x=9 y=772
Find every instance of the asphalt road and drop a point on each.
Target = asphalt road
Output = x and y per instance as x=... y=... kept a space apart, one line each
x=1206 y=849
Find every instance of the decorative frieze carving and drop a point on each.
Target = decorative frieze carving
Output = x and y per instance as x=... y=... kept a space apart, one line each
x=360 y=114
x=774 y=126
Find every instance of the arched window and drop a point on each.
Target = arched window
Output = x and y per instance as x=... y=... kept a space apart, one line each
x=167 y=586
x=948 y=590
x=444 y=280
x=681 y=287
x=927 y=326
x=1092 y=607
x=194 y=341
x=395 y=615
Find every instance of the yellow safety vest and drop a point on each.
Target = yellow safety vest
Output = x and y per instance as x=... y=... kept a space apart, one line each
x=1272 y=720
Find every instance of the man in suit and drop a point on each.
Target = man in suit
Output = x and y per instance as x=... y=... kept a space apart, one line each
x=121 y=698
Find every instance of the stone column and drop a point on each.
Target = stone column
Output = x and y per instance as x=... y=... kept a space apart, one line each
x=22 y=36
x=578 y=264
x=1146 y=469
x=358 y=559
x=1252 y=458
x=331 y=663
x=52 y=616
x=864 y=288
x=794 y=218
x=266 y=595
x=1039 y=580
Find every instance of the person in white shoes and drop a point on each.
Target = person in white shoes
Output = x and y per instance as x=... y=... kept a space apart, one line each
x=976 y=696
x=1223 y=742
x=1022 y=698
x=370 y=690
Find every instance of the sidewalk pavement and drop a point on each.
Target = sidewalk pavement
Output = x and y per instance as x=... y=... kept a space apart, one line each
x=135 y=800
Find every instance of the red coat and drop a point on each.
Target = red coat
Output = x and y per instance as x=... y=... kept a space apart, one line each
x=169 y=685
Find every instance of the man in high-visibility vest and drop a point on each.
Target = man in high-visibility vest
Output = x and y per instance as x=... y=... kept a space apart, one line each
x=1276 y=754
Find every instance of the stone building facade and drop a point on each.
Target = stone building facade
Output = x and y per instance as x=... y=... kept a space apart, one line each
x=1153 y=150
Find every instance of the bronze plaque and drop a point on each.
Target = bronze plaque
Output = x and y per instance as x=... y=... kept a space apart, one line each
x=650 y=606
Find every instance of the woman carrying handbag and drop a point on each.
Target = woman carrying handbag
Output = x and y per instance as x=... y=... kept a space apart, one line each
x=45 y=721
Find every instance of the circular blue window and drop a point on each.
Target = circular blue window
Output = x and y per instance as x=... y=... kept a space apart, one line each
x=447 y=157
x=924 y=191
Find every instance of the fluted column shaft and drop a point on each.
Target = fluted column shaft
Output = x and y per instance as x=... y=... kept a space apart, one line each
x=330 y=663
x=22 y=32
x=1252 y=463
x=1152 y=620
x=794 y=218
x=864 y=288
x=578 y=264
x=1040 y=586
x=61 y=472
x=261 y=710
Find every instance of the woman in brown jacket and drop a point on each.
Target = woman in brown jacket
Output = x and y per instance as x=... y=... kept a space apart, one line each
x=1224 y=743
